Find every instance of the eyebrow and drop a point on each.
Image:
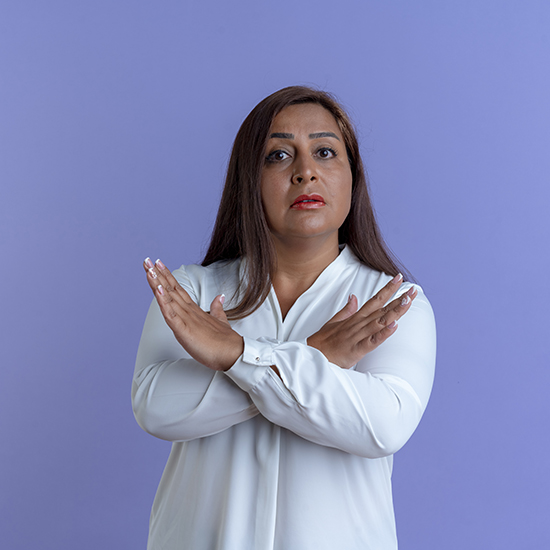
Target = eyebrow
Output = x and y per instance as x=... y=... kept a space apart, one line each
x=284 y=135
x=323 y=134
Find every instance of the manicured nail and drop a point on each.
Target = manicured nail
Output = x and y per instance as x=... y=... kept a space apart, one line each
x=392 y=325
x=412 y=291
x=222 y=299
x=152 y=273
x=397 y=278
x=161 y=290
x=148 y=262
x=160 y=265
x=405 y=300
x=350 y=298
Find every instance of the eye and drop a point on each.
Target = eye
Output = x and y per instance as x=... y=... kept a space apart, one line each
x=277 y=156
x=326 y=153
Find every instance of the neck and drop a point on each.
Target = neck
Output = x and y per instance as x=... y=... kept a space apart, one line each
x=298 y=266
x=303 y=258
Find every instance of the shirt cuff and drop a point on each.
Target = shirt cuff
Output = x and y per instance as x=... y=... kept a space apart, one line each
x=253 y=364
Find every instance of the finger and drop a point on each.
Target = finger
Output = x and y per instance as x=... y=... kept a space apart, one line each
x=159 y=274
x=147 y=263
x=148 y=266
x=152 y=277
x=171 y=282
x=374 y=340
x=216 y=308
x=156 y=277
x=347 y=311
x=382 y=296
x=403 y=300
x=392 y=312
x=151 y=273
x=169 y=308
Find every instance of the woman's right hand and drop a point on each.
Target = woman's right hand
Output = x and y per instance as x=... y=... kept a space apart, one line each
x=207 y=337
x=352 y=333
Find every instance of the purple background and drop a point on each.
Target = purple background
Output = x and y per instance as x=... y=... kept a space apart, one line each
x=116 y=122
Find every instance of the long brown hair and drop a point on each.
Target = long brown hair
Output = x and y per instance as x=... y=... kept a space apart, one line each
x=241 y=229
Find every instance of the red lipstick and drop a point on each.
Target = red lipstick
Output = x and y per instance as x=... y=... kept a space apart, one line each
x=307 y=202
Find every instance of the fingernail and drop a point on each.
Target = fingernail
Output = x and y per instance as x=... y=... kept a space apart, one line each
x=161 y=290
x=350 y=297
x=148 y=262
x=405 y=300
x=160 y=264
x=392 y=325
x=222 y=299
x=152 y=273
x=412 y=291
x=397 y=278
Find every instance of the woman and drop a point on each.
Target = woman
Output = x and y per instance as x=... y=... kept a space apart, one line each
x=286 y=417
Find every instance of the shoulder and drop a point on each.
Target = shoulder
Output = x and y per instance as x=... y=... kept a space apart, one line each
x=369 y=281
x=204 y=283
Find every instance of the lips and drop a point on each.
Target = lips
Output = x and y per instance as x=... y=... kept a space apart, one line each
x=305 y=202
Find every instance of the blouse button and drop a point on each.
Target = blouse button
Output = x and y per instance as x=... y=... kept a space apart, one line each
x=257 y=359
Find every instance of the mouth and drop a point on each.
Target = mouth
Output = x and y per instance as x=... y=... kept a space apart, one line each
x=306 y=202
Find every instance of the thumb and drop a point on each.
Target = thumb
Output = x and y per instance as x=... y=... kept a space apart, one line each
x=347 y=311
x=216 y=308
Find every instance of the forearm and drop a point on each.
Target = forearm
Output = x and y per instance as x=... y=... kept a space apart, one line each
x=176 y=398
x=371 y=411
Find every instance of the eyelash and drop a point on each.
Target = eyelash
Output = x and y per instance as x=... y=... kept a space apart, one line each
x=271 y=157
x=332 y=151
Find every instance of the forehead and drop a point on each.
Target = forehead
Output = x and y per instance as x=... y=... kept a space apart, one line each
x=306 y=118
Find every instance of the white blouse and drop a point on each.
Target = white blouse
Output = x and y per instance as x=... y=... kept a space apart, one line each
x=260 y=463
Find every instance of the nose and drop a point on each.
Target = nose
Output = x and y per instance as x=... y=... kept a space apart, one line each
x=304 y=172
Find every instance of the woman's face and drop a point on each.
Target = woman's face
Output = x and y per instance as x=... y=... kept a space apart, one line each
x=306 y=179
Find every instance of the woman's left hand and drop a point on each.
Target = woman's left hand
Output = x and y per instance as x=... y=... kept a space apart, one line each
x=207 y=337
x=352 y=332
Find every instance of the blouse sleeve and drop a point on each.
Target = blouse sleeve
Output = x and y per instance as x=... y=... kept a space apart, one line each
x=369 y=411
x=173 y=396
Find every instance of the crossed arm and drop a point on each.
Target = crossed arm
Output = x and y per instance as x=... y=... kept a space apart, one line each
x=370 y=410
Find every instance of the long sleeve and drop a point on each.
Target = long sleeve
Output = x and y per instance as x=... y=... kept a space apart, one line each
x=302 y=461
x=369 y=411
x=173 y=396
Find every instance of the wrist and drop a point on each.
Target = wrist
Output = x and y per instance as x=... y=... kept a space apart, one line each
x=236 y=351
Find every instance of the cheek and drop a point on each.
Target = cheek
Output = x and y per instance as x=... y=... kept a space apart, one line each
x=272 y=189
x=271 y=201
x=266 y=192
x=346 y=193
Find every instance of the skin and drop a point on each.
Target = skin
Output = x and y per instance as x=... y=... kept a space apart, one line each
x=305 y=155
x=297 y=163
